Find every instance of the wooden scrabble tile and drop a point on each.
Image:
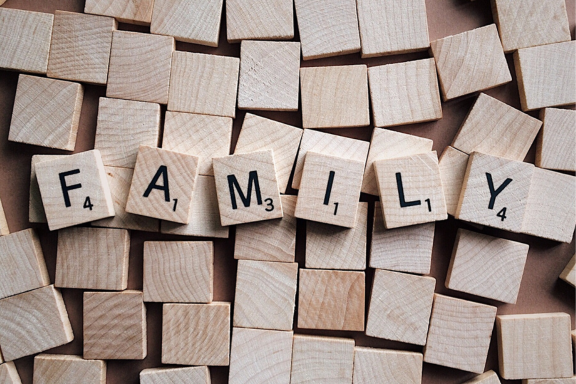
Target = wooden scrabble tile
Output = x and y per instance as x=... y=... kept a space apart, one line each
x=4 y=230
x=33 y=322
x=256 y=171
x=199 y=135
x=486 y=266
x=125 y=11
x=410 y=190
x=534 y=346
x=114 y=325
x=569 y=274
x=556 y=145
x=178 y=271
x=80 y=47
x=373 y=365
x=196 y=21
x=140 y=67
x=331 y=300
x=400 y=307
x=74 y=189
x=529 y=23
x=495 y=192
x=404 y=93
x=331 y=247
x=68 y=369
x=459 y=334
x=259 y=133
x=36 y=212
x=25 y=40
x=122 y=127
x=489 y=377
x=93 y=258
x=272 y=240
x=566 y=380
x=318 y=359
x=260 y=356
x=9 y=373
x=196 y=334
x=163 y=184
x=470 y=61
x=204 y=84
x=545 y=76
x=46 y=112
x=257 y=20
x=190 y=375
x=452 y=165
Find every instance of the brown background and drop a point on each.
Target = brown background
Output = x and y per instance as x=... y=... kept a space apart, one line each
x=541 y=291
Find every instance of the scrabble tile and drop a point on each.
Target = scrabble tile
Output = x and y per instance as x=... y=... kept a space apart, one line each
x=36 y=212
x=495 y=192
x=534 y=346
x=569 y=272
x=459 y=333
x=196 y=21
x=80 y=47
x=46 y=112
x=567 y=380
x=410 y=190
x=487 y=266
x=33 y=322
x=68 y=369
x=373 y=365
x=271 y=240
x=334 y=97
x=259 y=20
x=199 y=135
x=322 y=360
x=259 y=133
x=331 y=300
x=163 y=184
x=452 y=165
x=470 y=61
x=4 y=230
x=9 y=374
x=191 y=375
x=204 y=84
x=260 y=356
x=25 y=40
x=93 y=258
x=122 y=127
x=529 y=23
x=545 y=76
x=404 y=93
x=269 y=75
x=556 y=145
x=237 y=176
x=114 y=325
x=178 y=271
x=400 y=307
x=489 y=377
x=196 y=334
x=140 y=67
x=331 y=247
x=125 y=11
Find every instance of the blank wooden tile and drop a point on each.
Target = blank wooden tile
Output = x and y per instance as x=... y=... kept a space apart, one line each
x=373 y=365
x=204 y=84
x=33 y=322
x=196 y=334
x=46 y=112
x=4 y=230
x=36 y=212
x=125 y=11
x=569 y=272
x=9 y=373
x=489 y=377
x=331 y=300
x=140 y=67
x=259 y=20
x=260 y=356
x=190 y=375
x=470 y=61
x=25 y=40
x=114 y=325
x=534 y=346
x=459 y=334
x=68 y=369
x=556 y=145
x=452 y=164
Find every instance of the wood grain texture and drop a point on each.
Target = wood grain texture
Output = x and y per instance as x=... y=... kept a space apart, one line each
x=556 y=145
x=567 y=380
x=36 y=213
x=470 y=61
x=125 y=11
x=569 y=274
x=4 y=230
x=452 y=165
x=9 y=374
x=187 y=375
x=68 y=369
x=259 y=20
x=114 y=326
x=46 y=112
x=489 y=377
x=373 y=365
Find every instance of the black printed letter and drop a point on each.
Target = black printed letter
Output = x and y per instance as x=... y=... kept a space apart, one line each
x=66 y=188
x=494 y=193
x=329 y=188
x=252 y=179
x=162 y=171
x=403 y=202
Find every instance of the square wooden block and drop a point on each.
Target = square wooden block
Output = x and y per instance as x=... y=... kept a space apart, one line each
x=4 y=230
x=470 y=61
x=534 y=346
x=332 y=300
x=125 y=11
x=140 y=67
x=68 y=369
x=46 y=112
x=190 y=375
x=9 y=373
x=196 y=334
x=452 y=165
x=93 y=258
x=569 y=274
x=459 y=334
x=373 y=365
x=36 y=212
x=487 y=266
x=489 y=377
x=556 y=145
x=114 y=326
x=259 y=20
x=33 y=322
x=205 y=84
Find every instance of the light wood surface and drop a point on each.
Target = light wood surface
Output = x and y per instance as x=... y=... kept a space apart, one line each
x=9 y=373
x=4 y=230
x=259 y=20
x=188 y=375
x=68 y=369
x=569 y=276
x=567 y=380
x=556 y=145
x=489 y=377
x=126 y=11
x=373 y=365
x=36 y=212
x=452 y=164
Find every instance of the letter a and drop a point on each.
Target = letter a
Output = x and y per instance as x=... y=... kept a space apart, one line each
x=162 y=171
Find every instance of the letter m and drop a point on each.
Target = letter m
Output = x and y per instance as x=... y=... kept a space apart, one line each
x=234 y=186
